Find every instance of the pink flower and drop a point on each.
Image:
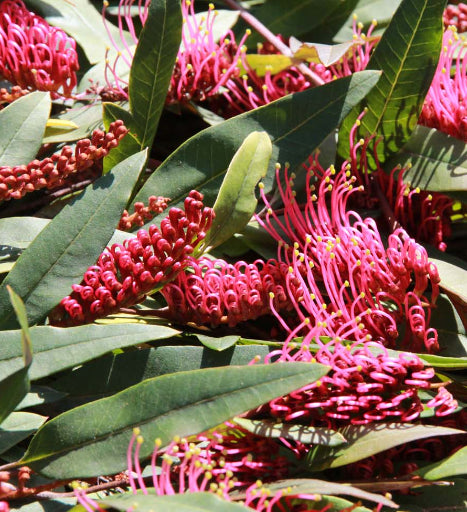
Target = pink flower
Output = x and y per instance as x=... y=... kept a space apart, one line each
x=444 y=107
x=214 y=292
x=456 y=15
x=156 y=205
x=57 y=170
x=125 y=274
x=203 y=65
x=33 y=54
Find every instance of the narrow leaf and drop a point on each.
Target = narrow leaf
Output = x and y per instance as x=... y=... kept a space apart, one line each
x=152 y=66
x=56 y=349
x=407 y=54
x=296 y=124
x=364 y=441
x=301 y=433
x=182 y=404
x=62 y=252
x=454 y=465
x=26 y=119
x=236 y=201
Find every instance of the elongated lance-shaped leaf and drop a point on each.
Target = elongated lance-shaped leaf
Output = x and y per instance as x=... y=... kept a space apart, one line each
x=92 y=439
x=23 y=124
x=455 y=464
x=17 y=427
x=152 y=67
x=65 y=248
x=407 y=53
x=236 y=201
x=296 y=124
x=57 y=349
x=16 y=386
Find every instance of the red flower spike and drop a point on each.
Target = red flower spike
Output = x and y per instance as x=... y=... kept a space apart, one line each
x=143 y=213
x=125 y=274
x=34 y=55
x=55 y=171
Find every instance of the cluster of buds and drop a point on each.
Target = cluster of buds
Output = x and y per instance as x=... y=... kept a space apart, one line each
x=54 y=171
x=8 y=96
x=203 y=65
x=444 y=107
x=142 y=213
x=456 y=15
x=34 y=55
x=126 y=273
x=214 y=292
x=213 y=463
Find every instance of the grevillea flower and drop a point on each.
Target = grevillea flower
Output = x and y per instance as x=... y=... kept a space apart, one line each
x=212 y=463
x=142 y=213
x=251 y=91
x=34 y=55
x=8 y=96
x=444 y=107
x=456 y=15
x=203 y=65
x=125 y=273
x=214 y=292
x=55 y=171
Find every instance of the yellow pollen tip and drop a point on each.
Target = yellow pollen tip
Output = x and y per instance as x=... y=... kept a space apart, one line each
x=136 y=431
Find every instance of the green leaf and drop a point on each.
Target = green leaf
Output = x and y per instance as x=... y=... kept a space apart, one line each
x=152 y=66
x=116 y=372
x=218 y=344
x=62 y=252
x=26 y=119
x=367 y=440
x=22 y=317
x=236 y=201
x=39 y=395
x=190 y=502
x=18 y=232
x=407 y=54
x=182 y=404
x=129 y=144
x=297 y=124
x=18 y=426
x=83 y=22
x=301 y=433
x=311 y=486
x=56 y=349
x=325 y=54
x=454 y=465
x=439 y=162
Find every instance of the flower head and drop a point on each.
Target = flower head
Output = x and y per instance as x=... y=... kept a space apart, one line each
x=33 y=54
x=456 y=15
x=125 y=273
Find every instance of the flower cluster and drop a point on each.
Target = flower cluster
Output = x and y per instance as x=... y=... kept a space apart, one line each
x=444 y=107
x=214 y=292
x=33 y=54
x=126 y=272
x=142 y=213
x=54 y=171
x=456 y=15
x=8 y=96
x=203 y=65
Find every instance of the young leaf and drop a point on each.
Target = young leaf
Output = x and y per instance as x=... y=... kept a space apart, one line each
x=367 y=440
x=92 y=439
x=236 y=201
x=56 y=349
x=152 y=67
x=26 y=119
x=301 y=433
x=407 y=54
x=296 y=124
x=62 y=252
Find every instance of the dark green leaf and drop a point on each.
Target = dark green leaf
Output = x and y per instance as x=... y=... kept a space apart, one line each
x=301 y=433
x=454 y=465
x=191 y=502
x=407 y=54
x=439 y=162
x=116 y=372
x=92 y=439
x=152 y=66
x=297 y=124
x=62 y=252
x=367 y=440
x=17 y=427
x=26 y=119
x=56 y=349
x=236 y=201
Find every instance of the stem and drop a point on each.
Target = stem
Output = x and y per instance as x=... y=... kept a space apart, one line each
x=273 y=39
x=94 y=488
